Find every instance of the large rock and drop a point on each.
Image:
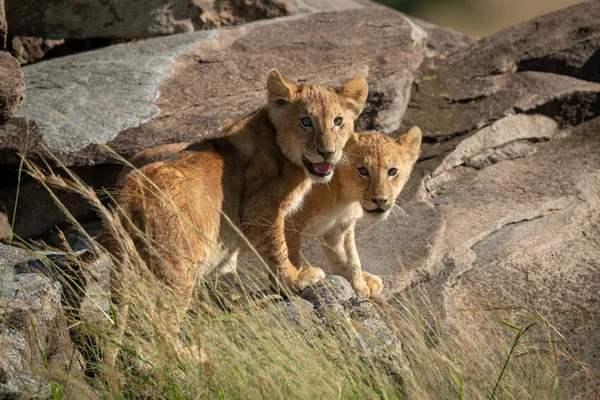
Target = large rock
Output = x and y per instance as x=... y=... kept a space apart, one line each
x=130 y=19
x=523 y=234
x=133 y=19
x=178 y=88
x=35 y=344
x=503 y=205
x=548 y=65
x=12 y=86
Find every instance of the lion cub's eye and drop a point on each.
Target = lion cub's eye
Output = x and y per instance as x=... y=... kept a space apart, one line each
x=363 y=171
x=306 y=122
x=392 y=171
x=281 y=103
x=338 y=121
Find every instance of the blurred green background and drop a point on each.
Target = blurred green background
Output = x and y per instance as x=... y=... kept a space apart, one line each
x=477 y=17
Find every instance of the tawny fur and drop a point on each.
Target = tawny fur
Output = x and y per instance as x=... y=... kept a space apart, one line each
x=331 y=211
x=193 y=205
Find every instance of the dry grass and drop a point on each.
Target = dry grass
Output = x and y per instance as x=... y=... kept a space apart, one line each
x=259 y=351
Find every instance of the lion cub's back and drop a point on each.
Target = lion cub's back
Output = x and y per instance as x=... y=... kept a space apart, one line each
x=177 y=197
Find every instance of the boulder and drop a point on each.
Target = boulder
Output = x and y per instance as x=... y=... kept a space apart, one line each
x=179 y=88
x=523 y=234
x=35 y=347
x=12 y=86
x=548 y=65
x=129 y=19
x=503 y=204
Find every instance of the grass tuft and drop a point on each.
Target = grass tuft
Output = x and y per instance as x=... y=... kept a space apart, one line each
x=256 y=349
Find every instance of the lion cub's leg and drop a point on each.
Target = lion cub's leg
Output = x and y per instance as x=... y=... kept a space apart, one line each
x=293 y=238
x=152 y=208
x=374 y=282
x=227 y=268
x=269 y=239
x=342 y=254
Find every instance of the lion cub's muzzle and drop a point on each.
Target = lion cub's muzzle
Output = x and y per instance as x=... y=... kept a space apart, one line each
x=378 y=207
x=321 y=169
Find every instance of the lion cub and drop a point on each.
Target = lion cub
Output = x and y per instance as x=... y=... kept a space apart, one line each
x=368 y=184
x=192 y=207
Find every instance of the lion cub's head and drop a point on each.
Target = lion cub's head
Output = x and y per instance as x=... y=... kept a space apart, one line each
x=378 y=168
x=313 y=123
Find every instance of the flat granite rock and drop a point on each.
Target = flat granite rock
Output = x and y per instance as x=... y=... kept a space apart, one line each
x=185 y=87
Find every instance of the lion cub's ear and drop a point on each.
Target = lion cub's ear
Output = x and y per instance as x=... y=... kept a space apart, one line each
x=412 y=142
x=280 y=90
x=354 y=95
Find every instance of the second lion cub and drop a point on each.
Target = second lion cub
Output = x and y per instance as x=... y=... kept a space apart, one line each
x=368 y=184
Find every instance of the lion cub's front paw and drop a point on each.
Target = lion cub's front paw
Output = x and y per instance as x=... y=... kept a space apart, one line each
x=367 y=285
x=308 y=276
x=374 y=283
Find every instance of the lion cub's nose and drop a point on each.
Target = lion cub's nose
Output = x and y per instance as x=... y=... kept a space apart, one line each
x=326 y=153
x=379 y=201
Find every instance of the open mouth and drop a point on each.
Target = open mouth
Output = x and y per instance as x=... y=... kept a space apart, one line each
x=377 y=210
x=318 y=169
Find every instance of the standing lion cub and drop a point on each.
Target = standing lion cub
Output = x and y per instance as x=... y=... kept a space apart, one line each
x=368 y=184
x=186 y=213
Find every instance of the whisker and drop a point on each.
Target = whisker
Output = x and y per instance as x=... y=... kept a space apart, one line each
x=400 y=211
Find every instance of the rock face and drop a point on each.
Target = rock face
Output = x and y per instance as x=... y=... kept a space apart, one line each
x=134 y=18
x=504 y=202
x=548 y=65
x=12 y=86
x=180 y=88
x=34 y=341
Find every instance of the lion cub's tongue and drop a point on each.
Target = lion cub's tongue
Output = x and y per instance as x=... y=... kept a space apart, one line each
x=322 y=168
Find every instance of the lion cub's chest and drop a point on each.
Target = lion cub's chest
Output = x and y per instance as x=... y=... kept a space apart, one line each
x=297 y=196
x=340 y=216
